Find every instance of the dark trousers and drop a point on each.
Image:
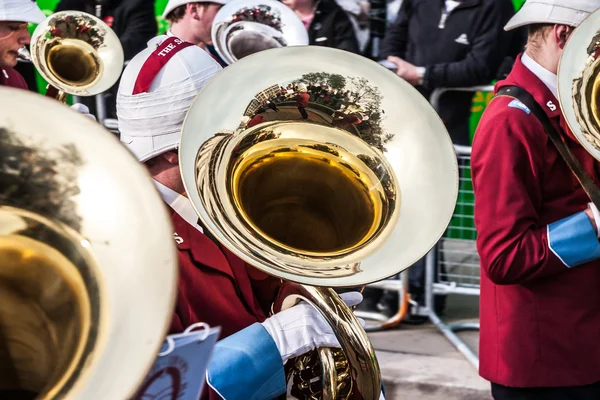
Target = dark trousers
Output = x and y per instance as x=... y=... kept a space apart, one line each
x=589 y=392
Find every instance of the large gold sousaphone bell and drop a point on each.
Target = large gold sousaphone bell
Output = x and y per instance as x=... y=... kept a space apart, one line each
x=76 y=53
x=88 y=267
x=579 y=83
x=244 y=27
x=325 y=169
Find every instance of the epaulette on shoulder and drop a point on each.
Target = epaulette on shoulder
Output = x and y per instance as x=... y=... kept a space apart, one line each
x=516 y=103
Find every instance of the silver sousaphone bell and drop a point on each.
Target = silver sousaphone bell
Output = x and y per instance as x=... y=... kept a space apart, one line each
x=579 y=83
x=76 y=53
x=88 y=266
x=244 y=27
x=326 y=170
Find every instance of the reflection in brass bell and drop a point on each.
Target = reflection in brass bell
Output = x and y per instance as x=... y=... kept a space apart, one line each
x=579 y=83
x=244 y=27
x=327 y=170
x=75 y=231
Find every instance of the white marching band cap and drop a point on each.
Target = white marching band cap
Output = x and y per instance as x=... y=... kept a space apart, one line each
x=563 y=12
x=21 y=11
x=150 y=122
x=173 y=4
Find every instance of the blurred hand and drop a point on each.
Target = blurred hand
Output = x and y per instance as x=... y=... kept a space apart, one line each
x=83 y=109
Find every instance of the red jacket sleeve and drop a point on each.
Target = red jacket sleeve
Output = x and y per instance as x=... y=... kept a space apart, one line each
x=12 y=78
x=506 y=165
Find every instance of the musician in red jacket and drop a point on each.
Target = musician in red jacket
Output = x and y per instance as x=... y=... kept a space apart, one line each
x=14 y=34
x=215 y=287
x=537 y=231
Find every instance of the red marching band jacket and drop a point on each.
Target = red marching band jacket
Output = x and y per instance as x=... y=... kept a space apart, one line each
x=11 y=77
x=540 y=280
x=216 y=287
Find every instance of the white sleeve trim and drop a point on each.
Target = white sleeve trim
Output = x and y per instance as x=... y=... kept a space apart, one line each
x=212 y=387
x=551 y=249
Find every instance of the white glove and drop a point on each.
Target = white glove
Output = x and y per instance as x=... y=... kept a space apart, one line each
x=301 y=328
x=83 y=109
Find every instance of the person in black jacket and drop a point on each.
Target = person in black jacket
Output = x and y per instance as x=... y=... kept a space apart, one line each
x=437 y=43
x=134 y=21
x=327 y=23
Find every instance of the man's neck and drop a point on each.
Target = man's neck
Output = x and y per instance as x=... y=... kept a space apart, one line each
x=545 y=75
x=171 y=178
x=546 y=62
x=306 y=11
x=183 y=33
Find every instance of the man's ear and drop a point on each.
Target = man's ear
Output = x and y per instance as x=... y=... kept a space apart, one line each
x=172 y=157
x=196 y=10
x=561 y=34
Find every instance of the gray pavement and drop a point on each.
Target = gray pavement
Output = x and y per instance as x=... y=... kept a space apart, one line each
x=418 y=362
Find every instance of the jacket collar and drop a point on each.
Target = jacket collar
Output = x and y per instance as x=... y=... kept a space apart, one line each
x=189 y=236
x=180 y=204
x=201 y=248
x=525 y=78
x=548 y=78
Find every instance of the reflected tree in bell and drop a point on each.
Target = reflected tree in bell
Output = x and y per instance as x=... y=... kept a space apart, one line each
x=43 y=182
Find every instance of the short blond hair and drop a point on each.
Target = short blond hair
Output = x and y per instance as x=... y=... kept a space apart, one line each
x=537 y=33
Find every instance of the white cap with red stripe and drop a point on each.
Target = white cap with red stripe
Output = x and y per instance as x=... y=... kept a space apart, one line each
x=157 y=88
x=21 y=11
x=562 y=12
x=173 y=4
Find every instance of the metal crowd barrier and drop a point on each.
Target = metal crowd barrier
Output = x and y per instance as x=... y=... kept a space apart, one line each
x=377 y=321
x=452 y=266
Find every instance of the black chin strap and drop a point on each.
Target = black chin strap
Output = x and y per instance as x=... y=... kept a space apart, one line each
x=588 y=184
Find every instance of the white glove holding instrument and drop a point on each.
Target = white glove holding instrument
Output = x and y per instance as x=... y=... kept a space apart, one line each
x=301 y=328
x=83 y=109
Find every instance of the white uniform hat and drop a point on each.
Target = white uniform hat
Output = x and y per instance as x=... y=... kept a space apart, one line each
x=564 y=12
x=21 y=11
x=150 y=123
x=173 y=4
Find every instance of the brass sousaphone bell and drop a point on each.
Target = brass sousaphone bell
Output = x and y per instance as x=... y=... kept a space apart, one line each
x=244 y=27
x=579 y=83
x=327 y=170
x=88 y=267
x=76 y=53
